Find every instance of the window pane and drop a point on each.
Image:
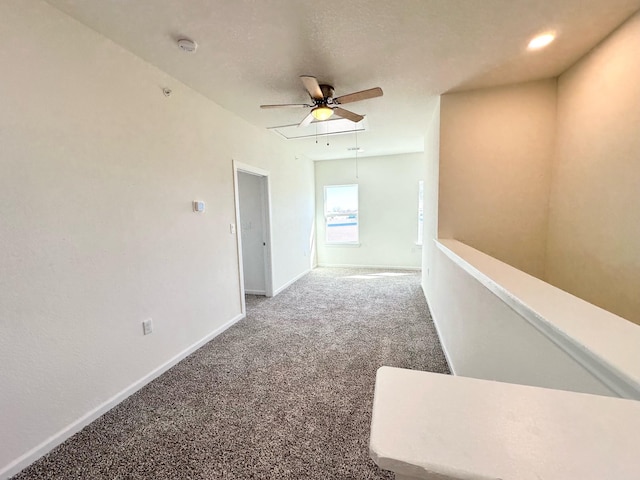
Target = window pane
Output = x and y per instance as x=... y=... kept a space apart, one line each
x=341 y=213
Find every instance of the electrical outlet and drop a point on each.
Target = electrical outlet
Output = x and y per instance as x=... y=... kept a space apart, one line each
x=232 y=228
x=147 y=326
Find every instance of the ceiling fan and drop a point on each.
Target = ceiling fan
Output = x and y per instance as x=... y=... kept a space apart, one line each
x=324 y=105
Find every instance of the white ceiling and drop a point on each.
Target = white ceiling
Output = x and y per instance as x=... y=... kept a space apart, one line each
x=252 y=52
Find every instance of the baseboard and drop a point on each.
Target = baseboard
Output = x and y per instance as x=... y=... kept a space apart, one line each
x=53 y=441
x=440 y=339
x=291 y=282
x=348 y=265
x=255 y=292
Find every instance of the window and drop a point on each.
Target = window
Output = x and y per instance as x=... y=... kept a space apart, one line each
x=341 y=213
x=420 y=211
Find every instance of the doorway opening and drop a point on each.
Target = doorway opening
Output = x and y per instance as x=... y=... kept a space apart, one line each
x=253 y=223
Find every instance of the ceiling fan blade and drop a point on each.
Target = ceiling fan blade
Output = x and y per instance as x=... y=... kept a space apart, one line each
x=312 y=86
x=286 y=105
x=357 y=96
x=307 y=120
x=341 y=112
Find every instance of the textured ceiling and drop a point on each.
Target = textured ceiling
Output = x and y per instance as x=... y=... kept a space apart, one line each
x=252 y=52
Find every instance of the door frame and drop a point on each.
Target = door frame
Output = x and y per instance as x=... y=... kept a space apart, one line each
x=266 y=213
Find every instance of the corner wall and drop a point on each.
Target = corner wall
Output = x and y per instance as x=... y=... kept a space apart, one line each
x=547 y=179
x=388 y=210
x=554 y=194
x=98 y=170
x=430 y=213
x=496 y=149
x=594 y=226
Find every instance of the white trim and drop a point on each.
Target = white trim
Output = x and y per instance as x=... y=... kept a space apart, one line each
x=420 y=237
x=255 y=292
x=250 y=169
x=343 y=244
x=56 y=439
x=236 y=207
x=291 y=282
x=612 y=377
x=388 y=267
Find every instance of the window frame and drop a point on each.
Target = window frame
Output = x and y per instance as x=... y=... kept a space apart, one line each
x=328 y=215
x=420 y=212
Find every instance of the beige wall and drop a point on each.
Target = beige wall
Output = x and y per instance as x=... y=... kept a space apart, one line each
x=496 y=149
x=594 y=228
x=388 y=210
x=545 y=176
x=98 y=170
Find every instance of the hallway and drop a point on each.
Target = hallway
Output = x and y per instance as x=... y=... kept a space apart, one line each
x=284 y=394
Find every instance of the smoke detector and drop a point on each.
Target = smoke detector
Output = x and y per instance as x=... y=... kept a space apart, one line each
x=187 y=45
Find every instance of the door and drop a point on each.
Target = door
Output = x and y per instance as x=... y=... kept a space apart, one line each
x=252 y=207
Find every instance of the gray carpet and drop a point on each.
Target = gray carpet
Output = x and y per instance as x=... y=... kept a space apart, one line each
x=284 y=394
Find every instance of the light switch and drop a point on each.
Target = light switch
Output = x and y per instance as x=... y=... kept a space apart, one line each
x=147 y=326
x=198 y=206
x=232 y=228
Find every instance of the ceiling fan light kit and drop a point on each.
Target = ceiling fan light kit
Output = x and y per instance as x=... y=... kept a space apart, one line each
x=324 y=105
x=321 y=113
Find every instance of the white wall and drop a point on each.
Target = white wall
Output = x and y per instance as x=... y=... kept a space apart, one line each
x=98 y=170
x=496 y=150
x=432 y=177
x=388 y=210
x=594 y=226
x=527 y=332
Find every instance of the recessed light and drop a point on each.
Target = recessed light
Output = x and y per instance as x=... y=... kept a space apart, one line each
x=541 y=41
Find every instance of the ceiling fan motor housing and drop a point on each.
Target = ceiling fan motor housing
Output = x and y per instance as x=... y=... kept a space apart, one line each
x=327 y=91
